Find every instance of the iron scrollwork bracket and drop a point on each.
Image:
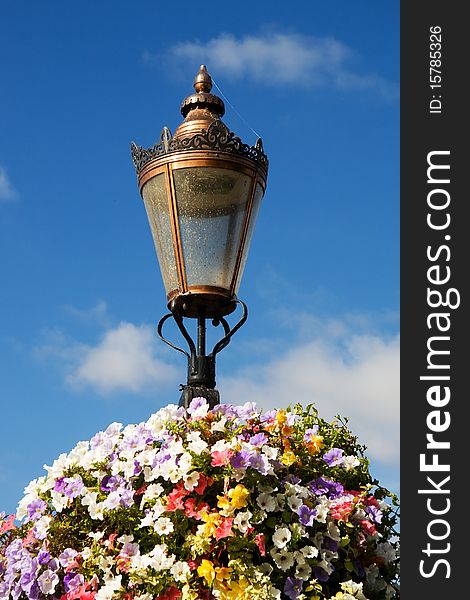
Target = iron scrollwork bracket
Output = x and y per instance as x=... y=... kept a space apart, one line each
x=201 y=366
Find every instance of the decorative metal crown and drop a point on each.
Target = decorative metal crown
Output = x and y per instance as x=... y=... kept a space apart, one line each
x=216 y=137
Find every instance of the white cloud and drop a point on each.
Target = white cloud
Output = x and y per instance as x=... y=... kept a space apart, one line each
x=356 y=376
x=7 y=191
x=95 y=314
x=278 y=59
x=123 y=360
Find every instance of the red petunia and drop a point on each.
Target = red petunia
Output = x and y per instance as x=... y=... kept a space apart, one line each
x=172 y=593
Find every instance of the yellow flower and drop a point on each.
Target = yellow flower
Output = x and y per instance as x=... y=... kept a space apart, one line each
x=226 y=507
x=288 y=458
x=188 y=594
x=315 y=444
x=222 y=573
x=238 y=590
x=212 y=521
x=281 y=417
x=238 y=496
x=287 y=430
x=206 y=570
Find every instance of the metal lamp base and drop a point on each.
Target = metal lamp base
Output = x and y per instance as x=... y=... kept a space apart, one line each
x=189 y=392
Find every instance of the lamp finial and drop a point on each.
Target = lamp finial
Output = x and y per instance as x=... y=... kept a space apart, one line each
x=202 y=81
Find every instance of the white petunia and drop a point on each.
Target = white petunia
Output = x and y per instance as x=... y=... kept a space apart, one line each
x=266 y=502
x=96 y=511
x=191 y=481
x=386 y=551
x=112 y=501
x=180 y=571
x=266 y=569
x=185 y=462
x=159 y=558
x=47 y=582
x=107 y=591
x=196 y=444
x=242 y=521
x=163 y=526
x=333 y=531
x=309 y=551
x=41 y=527
x=350 y=462
x=294 y=503
x=270 y=452
x=354 y=589
x=303 y=571
x=154 y=490
x=222 y=445
x=59 y=501
x=219 y=425
x=281 y=537
x=322 y=510
x=283 y=559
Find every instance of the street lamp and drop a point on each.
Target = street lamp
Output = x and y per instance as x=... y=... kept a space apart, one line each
x=202 y=189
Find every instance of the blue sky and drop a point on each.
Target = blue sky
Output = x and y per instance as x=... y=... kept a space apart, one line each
x=80 y=288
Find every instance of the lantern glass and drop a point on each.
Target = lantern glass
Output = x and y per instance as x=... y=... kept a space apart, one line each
x=212 y=204
x=156 y=204
x=259 y=192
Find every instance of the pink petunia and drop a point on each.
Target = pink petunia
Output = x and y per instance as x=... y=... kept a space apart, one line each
x=7 y=524
x=80 y=593
x=191 y=510
x=202 y=484
x=175 y=498
x=260 y=542
x=220 y=459
x=368 y=527
x=224 y=529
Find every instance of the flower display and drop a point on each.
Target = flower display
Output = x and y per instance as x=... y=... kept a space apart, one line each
x=228 y=503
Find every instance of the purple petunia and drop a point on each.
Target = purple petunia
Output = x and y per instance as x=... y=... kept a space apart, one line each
x=240 y=460
x=375 y=513
x=110 y=483
x=329 y=544
x=333 y=457
x=67 y=557
x=293 y=588
x=72 y=581
x=35 y=509
x=73 y=486
x=44 y=557
x=325 y=487
x=59 y=485
x=246 y=411
x=260 y=462
x=320 y=574
x=258 y=440
x=198 y=407
x=306 y=515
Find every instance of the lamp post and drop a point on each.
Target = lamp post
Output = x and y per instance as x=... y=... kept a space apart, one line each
x=202 y=189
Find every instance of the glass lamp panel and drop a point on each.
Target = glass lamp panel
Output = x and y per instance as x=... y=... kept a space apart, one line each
x=212 y=204
x=156 y=204
x=251 y=226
